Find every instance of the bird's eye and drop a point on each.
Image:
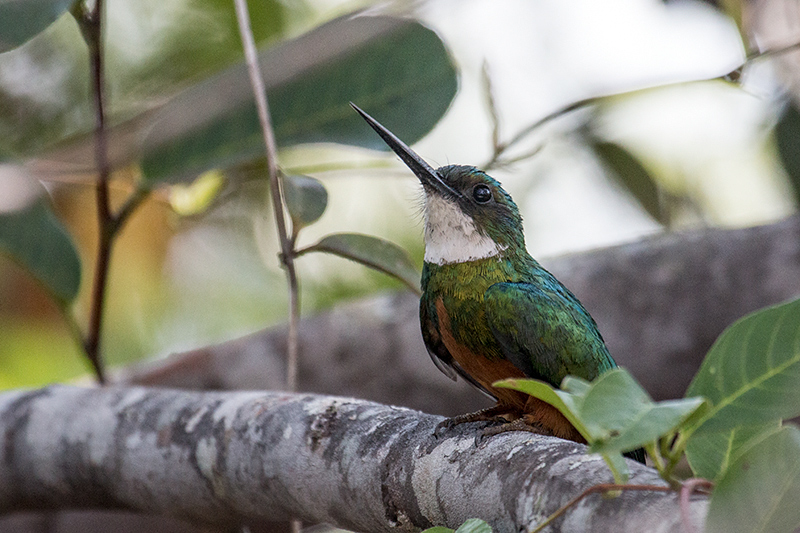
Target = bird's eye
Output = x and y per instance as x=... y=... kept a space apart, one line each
x=482 y=194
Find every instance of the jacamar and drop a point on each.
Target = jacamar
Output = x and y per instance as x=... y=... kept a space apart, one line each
x=488 y=309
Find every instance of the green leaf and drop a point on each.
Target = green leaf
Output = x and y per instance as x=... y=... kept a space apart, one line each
x=22 y=19
x=711 y=453
x=153 y=50
x=193 y=199
x=787 y=137
x=622 y=417
x=438 y=529
x=567 y=403
x=618 y=466
x=752 y=372
x=474 y=525
x=306 y=199
x=614 y=414
x=576 y=385
x=394 y=68
x=373 y=252
x=34 y=238
x=632 y=175
x=760 y=490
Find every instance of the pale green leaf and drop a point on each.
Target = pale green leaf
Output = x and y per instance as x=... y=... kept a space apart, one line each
x=752 y=372
x=613 y=413
x=474 y=525
x=568 y=404
x=306 y=199
x=711 y=453
x=759 y=492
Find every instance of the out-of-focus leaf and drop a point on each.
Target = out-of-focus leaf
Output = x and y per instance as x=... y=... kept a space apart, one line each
x=22 y=19
x=395 y=68
x=153 y=49
x=373 y=252
x=752 y=372
x=760 y=490
x=710 y=454
x=787 y=137
x=306 y=199
x=34 y=238
x=187 y=200
x=474 y=525
x=632 y=175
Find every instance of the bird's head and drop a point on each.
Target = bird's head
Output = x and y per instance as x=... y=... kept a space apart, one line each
x=468 y=215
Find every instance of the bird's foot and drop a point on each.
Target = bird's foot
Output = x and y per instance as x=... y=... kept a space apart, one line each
x=523 y=423
x=501 y=414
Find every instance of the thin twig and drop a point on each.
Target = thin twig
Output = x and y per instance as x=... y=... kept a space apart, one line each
x=136 y=198
x=491 y=105
x=91 y=25
x=602 y=487
x=287 y=255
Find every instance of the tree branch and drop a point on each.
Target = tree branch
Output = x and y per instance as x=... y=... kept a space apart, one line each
x=224 y=458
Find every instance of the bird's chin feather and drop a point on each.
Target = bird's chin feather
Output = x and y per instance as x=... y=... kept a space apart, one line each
x=451 y=235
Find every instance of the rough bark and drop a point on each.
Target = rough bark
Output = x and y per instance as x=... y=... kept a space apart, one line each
x=220 y=458
x=659 y=303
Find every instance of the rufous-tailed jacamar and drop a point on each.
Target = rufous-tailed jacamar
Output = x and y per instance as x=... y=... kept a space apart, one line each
x=488 y=310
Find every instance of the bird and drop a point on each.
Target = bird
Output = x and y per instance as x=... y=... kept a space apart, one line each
x=488 y=309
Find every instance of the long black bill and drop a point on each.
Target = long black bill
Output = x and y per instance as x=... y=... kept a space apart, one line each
x=418 y=166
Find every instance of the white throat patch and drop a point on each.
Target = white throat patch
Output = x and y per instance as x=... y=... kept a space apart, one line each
x=450 y=235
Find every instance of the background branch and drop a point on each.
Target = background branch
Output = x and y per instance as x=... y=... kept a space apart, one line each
x=220 y=458
x=660 y=304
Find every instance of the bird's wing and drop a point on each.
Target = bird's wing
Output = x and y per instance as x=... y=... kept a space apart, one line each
x=545 y=332
x=439 y=353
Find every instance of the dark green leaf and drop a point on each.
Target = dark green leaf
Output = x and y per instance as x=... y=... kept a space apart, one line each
x=397 y=69
x=632 y=175
x=306 y=199
x=787 y=137
x=711 y=453
x=760 y=490
x=34 y=238
x=752 y=372
x=373 y=252
x=438 y=529
x=153 y=50
x=22 y=19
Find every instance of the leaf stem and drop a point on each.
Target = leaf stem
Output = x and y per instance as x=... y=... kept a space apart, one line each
x=688 y=487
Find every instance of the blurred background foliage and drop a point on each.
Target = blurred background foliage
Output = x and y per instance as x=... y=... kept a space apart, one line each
x=674 y=134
